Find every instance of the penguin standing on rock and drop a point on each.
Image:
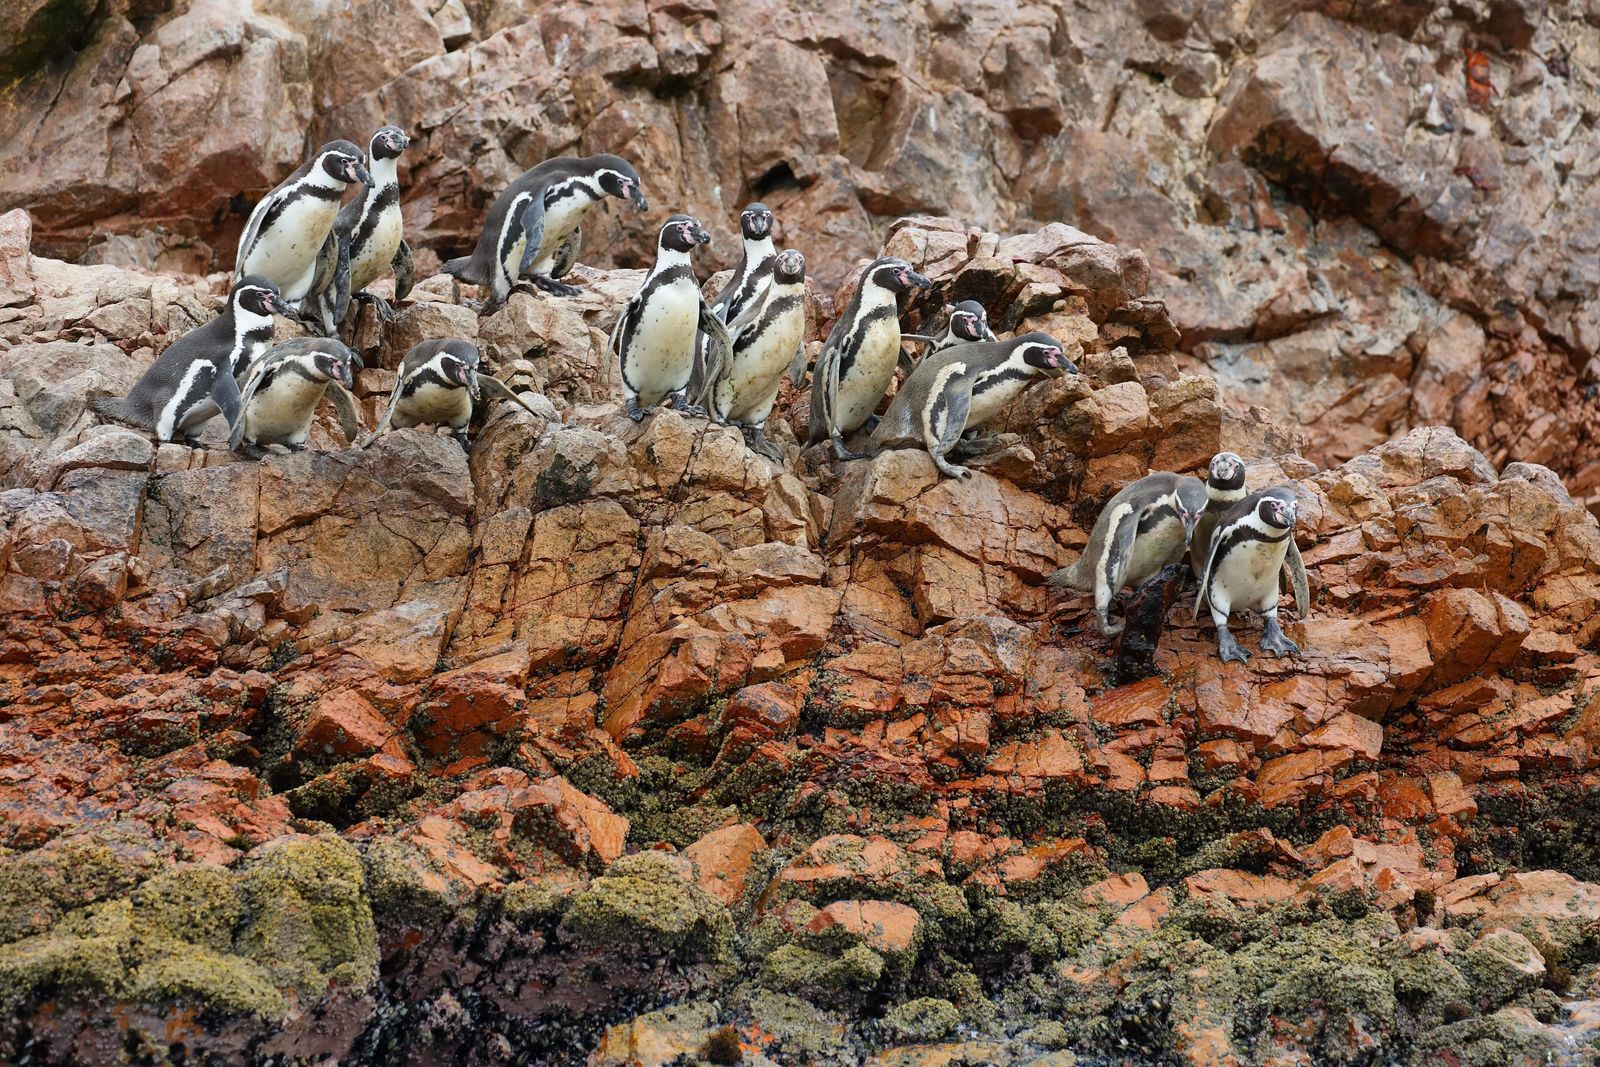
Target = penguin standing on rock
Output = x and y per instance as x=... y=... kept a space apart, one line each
x=283 y=389
x=194 y=379
x=371 y=237
x=285 y=237
x=1224 y=489
x=437 y=385
x=748 y=285
x=1140 y=530
x=1249 y=548
x=963 y=387
x=654 y=337
x=766 y=342
x=533 y=228
x=858 y=359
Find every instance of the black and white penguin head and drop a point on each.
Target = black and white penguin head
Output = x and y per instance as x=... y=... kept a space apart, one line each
x=618 y=178
x=256 y=295
x=1226 y=472
x=388 y=143
x=970 y=322
x=1044 y=354
x=790 y=267
x=458 y=362
x=1189 y=501
x=681 y=233
x=334 y=360
x=894 y=275
x=1276 y=512
x=755 y=222
x=343 y=161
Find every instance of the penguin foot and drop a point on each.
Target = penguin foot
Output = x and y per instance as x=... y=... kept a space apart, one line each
x=1108 y=628
x=251 y=451
x=485 y=307
x=295 y=448
x=463 y=440
x=195 y=442
x=678 y=402
x=843 y=452
x=379 y=305
x=635 y=412
x=1275 y=641
x=1228 y=649
x=758 y=443
x=553 y=287
x=950 y=470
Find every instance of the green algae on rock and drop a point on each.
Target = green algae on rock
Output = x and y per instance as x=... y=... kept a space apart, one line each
x=923 y=1019
x=309 y=922
x=646 y=902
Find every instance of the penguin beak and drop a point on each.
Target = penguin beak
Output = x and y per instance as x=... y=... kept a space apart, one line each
x=356 y=172
x=911 y=277
x=465 y=376
x=1063 y=366
x=636 y=194
x=701 y=237
x=278 y=305
x=1190 y=520
x=346 y=379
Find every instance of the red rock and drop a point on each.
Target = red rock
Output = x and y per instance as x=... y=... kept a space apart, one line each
x=882 y=926
x=346 y=724
x=1241 y=887
x=725 y=859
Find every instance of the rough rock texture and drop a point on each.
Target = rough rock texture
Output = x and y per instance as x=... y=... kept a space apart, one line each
x=619 y=744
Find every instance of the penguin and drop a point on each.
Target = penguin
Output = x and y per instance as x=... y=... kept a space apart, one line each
x=369 y=234
x=747 y=287
x=1250 y=546
x=287 y=231
x=968 y=323
x=438 y=383
x=764 y=344
x=1140 y=530
x=654 y=337
x=282 y=391
x=963 y=387
x=858 y=360
x=532 y=229
x=197 y=376
x=1224 y=489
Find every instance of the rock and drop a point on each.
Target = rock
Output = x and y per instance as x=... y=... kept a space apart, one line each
x=725 y=860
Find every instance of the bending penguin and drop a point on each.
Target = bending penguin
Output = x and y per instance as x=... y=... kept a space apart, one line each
x=437 y=385
x=1140 y=530
x=963 y=387
x=654 y=337
x=858 y=359
x=747 y=287
x=194 y=379
x=282 y=392
x=285 y=237
x=769 y=340
x=533 y=228
x=370 y=238
x=1250 y=546
x=1224 y=489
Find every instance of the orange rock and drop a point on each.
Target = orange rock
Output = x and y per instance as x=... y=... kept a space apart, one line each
x=346 y=724
x=883 y=926
x=724 y=860
x=1241 y=887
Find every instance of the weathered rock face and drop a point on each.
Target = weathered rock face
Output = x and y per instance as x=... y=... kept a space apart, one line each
x=620 y=744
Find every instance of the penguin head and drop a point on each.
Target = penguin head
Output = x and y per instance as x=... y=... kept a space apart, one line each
x=681 y=233
x=1226 y=472
x=1277 y=512
x=970 y=322
x=618 y=178
x=1189 y=501
x=790 y=266
x=1044 y=354
x=335 y=360
x=755 y=222
x=344 y=162
x=258 y=296
x=388 y=143
x=895 y=275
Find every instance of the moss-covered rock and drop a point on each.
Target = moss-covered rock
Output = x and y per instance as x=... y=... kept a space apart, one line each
x=645 y=902
x=308 y=922
x=195 y=975
x=1508 y=1038
x=1502 y=965
x=923 y=1019
x=402 y=884
x=83 y=952
x=820 y=977
x=195 y=903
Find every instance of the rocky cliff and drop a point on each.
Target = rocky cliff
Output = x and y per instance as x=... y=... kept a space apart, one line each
x=619 y=744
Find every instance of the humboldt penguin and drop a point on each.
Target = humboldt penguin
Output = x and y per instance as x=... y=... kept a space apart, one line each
x=1140 y=530
x=962 y=387
x=195 y=378
x=858 y=359
x=968 y=324
x=287 y=231
x=1251 y=545
x=437 y=385
x=748 y=285
x=654 y=337
x=532 y=229
x=283 y=389
x=371 y=237
x=1224 y=489
x=765 y=344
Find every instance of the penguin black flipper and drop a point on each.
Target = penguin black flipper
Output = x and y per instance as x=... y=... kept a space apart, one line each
x=906 y=364
x=944 y=416
x=265 y=213
x=1297 y=579
x=719 y=351
x=825 y=388
x=490 y=387
x=257 y=374
x=344 y=405
x=532 y=230
x=797 y=366
x=388 y=414
x=404 y=273
x=622 y=330
x=225 y=394
x=1200 y=599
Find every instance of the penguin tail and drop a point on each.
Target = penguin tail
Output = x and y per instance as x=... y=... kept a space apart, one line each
x=461 y=270
x=114 y=408
x=1069 y=578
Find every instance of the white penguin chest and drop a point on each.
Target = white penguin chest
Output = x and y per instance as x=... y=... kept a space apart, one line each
x=438 y=405
x=374 y=258
x=287 y=252
x=993 y=398
x=1157 y=546
x=1247 y=577
x=282 y=414
x=560 y=220
x=751 y=386
x=863 y=385
x=660 y=354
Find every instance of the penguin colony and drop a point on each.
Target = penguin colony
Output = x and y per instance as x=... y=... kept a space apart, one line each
x=308 y=256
